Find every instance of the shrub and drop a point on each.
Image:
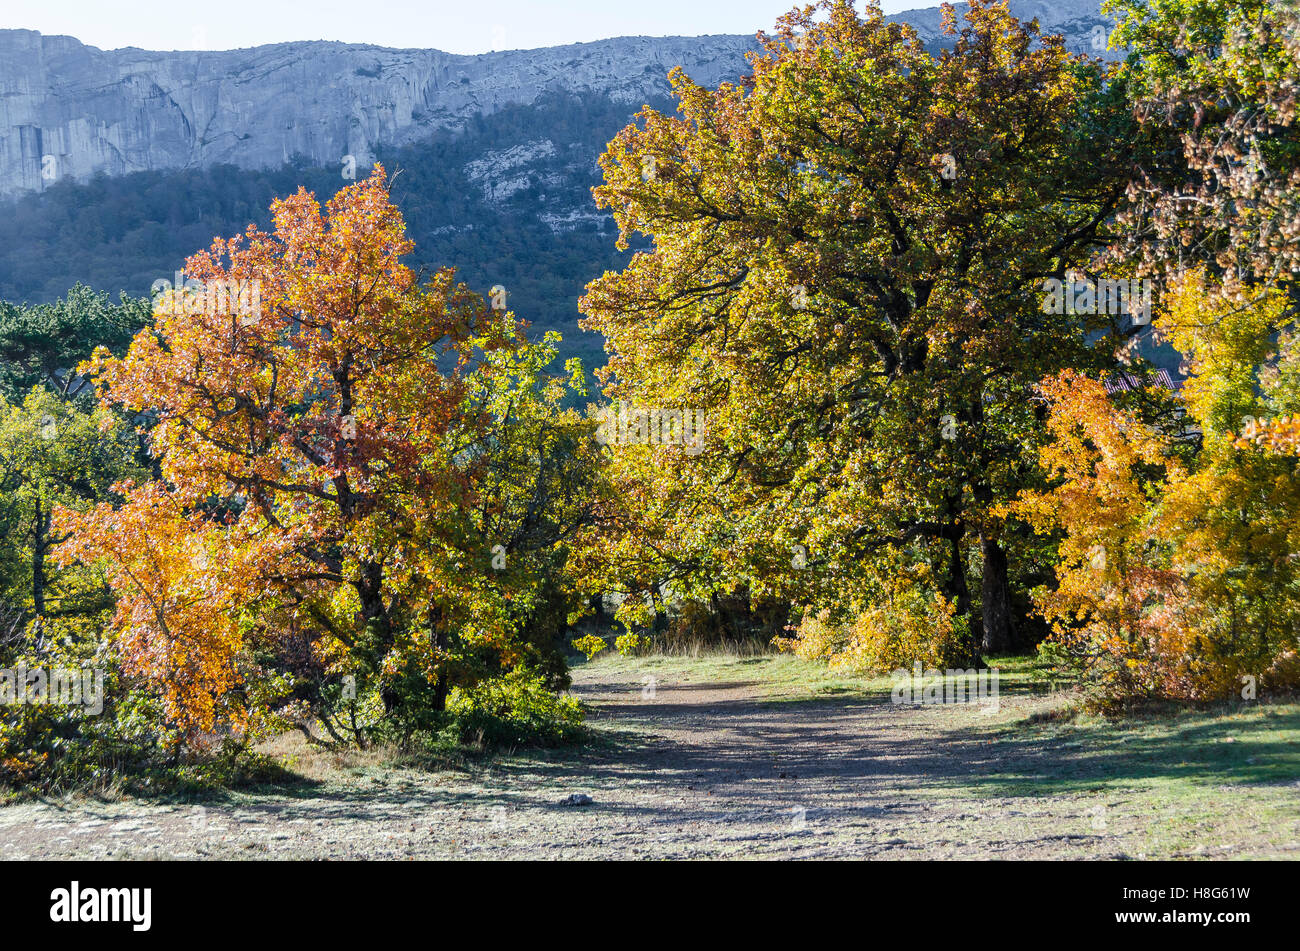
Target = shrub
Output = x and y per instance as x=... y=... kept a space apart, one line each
x=817 y=637
x=121 y=744
x=590 y=644
x=907 y=622
x=630 y=644
x=516 y=708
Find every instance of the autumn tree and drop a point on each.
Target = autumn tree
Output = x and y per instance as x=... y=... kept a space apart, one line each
x=1177 y=576
x=850 y=249
x=1177 y=573
x=1215 y=85
x=320 y=541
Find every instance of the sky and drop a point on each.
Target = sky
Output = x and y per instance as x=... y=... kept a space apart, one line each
x=455 y=26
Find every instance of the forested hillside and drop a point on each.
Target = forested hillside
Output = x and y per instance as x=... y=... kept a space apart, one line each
x=507 y=202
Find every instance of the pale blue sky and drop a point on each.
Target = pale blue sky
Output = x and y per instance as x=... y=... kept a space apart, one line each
x=457 y=26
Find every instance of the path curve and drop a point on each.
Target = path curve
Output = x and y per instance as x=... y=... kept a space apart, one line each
x=683 y=770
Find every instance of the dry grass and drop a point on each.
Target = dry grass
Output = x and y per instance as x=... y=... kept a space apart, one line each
x=319 y=763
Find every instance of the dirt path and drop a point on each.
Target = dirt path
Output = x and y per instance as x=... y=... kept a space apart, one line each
x=707 y=770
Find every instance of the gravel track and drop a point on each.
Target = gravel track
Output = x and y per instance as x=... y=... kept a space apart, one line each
x=695 y=771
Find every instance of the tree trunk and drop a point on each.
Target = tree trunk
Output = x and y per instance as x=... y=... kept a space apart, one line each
x=995 y=593
x=438 y=640
x=40 y=532
x=957 y=590
x=374 y=615
x=597 y=605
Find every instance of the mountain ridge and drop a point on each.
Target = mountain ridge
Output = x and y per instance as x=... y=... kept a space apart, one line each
x=69 y=110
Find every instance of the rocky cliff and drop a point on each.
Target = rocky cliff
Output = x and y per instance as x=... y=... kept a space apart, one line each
x=68 y=110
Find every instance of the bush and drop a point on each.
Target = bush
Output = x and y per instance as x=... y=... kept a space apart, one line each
x=1165 y=654
x=53 y=749
x=914 y=624
x=590 y=644
x=631 y=644
x=515 y=709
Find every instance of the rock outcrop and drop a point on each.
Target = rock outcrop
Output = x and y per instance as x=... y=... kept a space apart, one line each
x=68 y=110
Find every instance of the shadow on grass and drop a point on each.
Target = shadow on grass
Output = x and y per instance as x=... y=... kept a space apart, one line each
x=1227 y=745
x=867 y=756
x=869 y=745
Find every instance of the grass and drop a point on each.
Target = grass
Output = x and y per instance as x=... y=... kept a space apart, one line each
x=789 y=678
x=314 y=764
x=1159 y=775
x=1255 y=743
x=1177 y=767
x=784 y=676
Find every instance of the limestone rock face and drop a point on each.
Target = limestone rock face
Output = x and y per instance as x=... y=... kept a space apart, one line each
x=1075 y=20
x=68 y=110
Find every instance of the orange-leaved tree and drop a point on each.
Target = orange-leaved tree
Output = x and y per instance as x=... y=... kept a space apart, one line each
x=1177 y=574
x=307 y=546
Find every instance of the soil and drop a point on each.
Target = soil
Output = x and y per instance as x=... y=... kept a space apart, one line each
x=696 y=770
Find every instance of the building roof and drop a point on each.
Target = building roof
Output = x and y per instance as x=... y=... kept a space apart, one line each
x=1130 y=381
